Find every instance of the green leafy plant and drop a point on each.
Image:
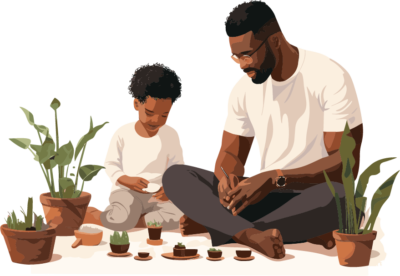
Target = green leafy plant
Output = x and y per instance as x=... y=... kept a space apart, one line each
x=180 y=244
x=16 y=224
x=153 y=224
x=49 y=155
x=119 y=239
x=214 y=250
x=355 y=197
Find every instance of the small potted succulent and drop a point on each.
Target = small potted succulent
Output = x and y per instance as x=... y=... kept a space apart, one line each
x=65 y=209
x=354 y=245
x=30 y=241
x=119 y=243
x=214 y=253
x=179 y=250
x=155 y=229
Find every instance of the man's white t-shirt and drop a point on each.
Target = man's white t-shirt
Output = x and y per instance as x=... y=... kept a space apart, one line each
x=289 y=118
x=136 y=156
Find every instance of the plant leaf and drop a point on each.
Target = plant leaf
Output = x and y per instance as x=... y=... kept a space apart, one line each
x=76 y=194
x=42 y=129
x=328 y=181
x=360 y=202
x=89 y=171
x=87 y=137
x=379 y=198
x=55 y=104
x=347 y=145
x=65 y=182
x=25 y=144
x=29 y=116
x=72 y=174
x=47 y=150
x=49 y=164
x=64 y=154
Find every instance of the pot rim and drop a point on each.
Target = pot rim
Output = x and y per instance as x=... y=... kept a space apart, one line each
x=120 y=244
x=354 y=237
x=47 y=200
x=151 y=227
x=27 y=235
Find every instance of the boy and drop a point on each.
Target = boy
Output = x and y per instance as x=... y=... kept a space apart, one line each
x=140 y=152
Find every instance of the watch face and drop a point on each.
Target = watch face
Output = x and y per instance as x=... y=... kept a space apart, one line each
x=281 y=181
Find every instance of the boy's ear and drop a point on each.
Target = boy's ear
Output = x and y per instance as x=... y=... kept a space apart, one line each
x=136 y=104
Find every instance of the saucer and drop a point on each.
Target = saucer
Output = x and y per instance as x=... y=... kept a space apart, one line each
x=112 y=254
x=244 y=259
x=152 y=188
x=215 y=259
x=143 y=259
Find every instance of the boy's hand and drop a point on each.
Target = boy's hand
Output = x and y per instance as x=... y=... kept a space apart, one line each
x=134 y=183
x=160 y=195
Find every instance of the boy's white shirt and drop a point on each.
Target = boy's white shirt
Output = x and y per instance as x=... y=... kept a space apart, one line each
x=136 y=156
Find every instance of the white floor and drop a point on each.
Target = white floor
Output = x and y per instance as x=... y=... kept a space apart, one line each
x=301 y=259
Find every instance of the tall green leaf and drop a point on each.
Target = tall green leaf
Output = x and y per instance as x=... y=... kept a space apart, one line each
x=347 y=145
x=337 y=200
x=21 y=142
x=29 y=116
x=379 y=198
x=89 y=171
x=55 y=104
x=360 y=204
x=64 y=154
x=87 y=137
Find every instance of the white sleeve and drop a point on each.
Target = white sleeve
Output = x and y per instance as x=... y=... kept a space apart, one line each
x=175 y=155
x=113 y=163
x=340 y=103
x=238 y=122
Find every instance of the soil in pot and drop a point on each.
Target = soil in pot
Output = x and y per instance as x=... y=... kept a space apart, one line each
x=154 y=232
x=243 y=253
x=143 y=254
x=119 y=248
x=65 y=214
x=354 y=250
x=214 y=254
x=29 y=247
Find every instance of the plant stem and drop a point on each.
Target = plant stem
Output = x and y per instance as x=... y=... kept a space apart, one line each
x=83 y=184
x=40 y=138
x=80 y=162
x=46 y=176
x=66 y=175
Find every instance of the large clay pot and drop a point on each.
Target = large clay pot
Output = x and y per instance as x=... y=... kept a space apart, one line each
x=354 y=250
x=65 y=214
x=29 y=247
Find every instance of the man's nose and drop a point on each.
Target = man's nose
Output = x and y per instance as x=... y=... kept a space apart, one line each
x=243 y=65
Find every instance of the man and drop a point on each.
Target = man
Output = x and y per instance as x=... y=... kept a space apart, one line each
x=296 y=103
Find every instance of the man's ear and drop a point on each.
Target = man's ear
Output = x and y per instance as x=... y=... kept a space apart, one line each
x=275 y=41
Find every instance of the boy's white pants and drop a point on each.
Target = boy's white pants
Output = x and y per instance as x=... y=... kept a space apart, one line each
x=126 y=207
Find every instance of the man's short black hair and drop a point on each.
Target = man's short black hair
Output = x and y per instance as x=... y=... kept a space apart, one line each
x=156 y=81
x=248 y=17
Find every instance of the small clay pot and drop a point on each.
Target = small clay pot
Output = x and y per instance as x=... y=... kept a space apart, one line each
x=154 y=232
x=190 y=252
x=179 y=252
x=143 y=254
x=243 y=253
x=119 y=248
x=214 y=254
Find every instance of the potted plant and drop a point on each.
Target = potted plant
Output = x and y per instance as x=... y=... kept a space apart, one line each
x=179 y=250
x=155 y=229
x=354 y=245
x=65 y=209
x=214 y=253
x=119 y=244
x=29 y=241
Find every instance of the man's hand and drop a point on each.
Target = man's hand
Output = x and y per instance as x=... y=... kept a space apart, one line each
x=160 y=195
x=251 y=190
x=134 y=183
x=226 y=185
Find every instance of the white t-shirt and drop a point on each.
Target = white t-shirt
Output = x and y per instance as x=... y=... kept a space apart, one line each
x=133 y=155
x=289 y=118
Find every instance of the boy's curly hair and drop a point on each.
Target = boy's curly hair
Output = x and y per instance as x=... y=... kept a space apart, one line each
x=156 y=81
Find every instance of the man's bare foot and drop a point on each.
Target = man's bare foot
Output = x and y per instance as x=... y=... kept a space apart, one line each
x=326 y=240
x=190 y=227
x=268 y=242
x=92 y=216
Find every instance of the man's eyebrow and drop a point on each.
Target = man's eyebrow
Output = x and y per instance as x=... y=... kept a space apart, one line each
x=153 y=111
x=242 y=53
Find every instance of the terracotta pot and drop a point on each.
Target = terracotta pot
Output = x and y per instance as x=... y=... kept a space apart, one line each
x=179 y=252
x=354 y=250
x=243 y=253
x=65 y=214
x=29 y=247
x=143 y=254
x=214 y=254
x=190 y=252
x=119 y=248
x=155 y=233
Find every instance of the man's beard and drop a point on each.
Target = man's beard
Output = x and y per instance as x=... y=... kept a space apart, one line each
x=268 y=64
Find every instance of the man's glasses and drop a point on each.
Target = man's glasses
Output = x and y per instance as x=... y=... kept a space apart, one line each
x=246 y=58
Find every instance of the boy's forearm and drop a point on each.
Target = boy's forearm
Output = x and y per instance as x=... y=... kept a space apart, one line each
x=230 y=163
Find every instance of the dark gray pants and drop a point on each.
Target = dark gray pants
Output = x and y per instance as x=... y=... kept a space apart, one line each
x=298 y=214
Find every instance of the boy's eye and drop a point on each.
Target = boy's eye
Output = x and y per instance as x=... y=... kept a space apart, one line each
x=148 y=114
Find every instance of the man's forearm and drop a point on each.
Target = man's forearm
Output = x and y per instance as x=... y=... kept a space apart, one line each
x=313 y=173
x=230 y=163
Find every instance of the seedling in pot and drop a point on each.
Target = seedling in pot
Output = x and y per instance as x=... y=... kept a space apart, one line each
x=154 y=229
x=214 y=253
x=179 y=250
x=28 y=224
x=119 y=243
